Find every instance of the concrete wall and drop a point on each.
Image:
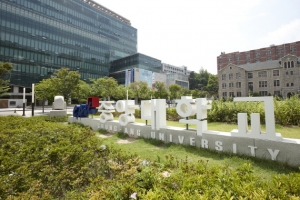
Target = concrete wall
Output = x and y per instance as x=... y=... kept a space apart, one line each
x=284 y=151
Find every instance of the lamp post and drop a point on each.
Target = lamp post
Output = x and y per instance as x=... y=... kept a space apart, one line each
x=23 y=101
x=32 y=102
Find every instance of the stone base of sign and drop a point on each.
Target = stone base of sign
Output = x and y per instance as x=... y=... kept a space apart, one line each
x=58 y=113
x=285 y=151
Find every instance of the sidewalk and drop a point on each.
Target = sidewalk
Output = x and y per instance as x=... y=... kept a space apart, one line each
x=38 y=111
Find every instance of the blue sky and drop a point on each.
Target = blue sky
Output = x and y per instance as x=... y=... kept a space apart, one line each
x=194 y=32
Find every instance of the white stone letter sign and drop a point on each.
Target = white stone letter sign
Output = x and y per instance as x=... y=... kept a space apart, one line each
x=128 y=107
x=106 y=108
x=255 y=121
x=154 y=110
x=187 y=106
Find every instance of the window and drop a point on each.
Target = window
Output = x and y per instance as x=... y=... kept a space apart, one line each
x=238 y=84
x=229 y=59
x=257 y=61
x=12 y=103
x=250 y=75
x=268 y=52
x=224 y=94
x=237 y=58
x=292 y=64
x=292 y=84
x=257 y=54
x=262 y=84
x=231 y=85
x=269 y=58
x=276 y=83
x=262 y=74
x=286 y=73
x=248 y=62
x=220 y=60
x=223 y=76
x=287 y=85
x=263 y=93
x=285 y=65
x=231 y=94
x=248 y=56
x=275 y=72
x=238 y=94
x=238 y=75
x=230 y=76
x=279 y=50
x=250 y=86
x=292 y=73
x=293 y=48
x=223 y=85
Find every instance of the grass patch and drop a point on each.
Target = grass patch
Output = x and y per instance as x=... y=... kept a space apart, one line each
x=155 y=150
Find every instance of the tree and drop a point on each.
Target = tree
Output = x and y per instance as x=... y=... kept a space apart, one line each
x=175 y=91
x=161 y=91
x=185 y=92
x=4 y=69
x=203 y=79
x=83 y=92
x=212 y=84
x=105 y=87
x=199 y=93
x=66 y=83
x=44 y=90
x=199 y=81
x=140 y=90
x=121 y=93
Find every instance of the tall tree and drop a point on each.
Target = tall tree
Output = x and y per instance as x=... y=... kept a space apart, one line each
x=45 y=90
x=140 y=90
x=83 y=92
x=121 y=93
x=175 y=91
x=203 y=79
x=212 y=84
x=4 y=69
x=161 y=91
x=104 y=87
x=66 y=82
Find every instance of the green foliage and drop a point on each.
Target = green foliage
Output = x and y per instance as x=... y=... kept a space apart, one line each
x=140 y=90
x=66 y=83
x=199 y=80
x=84 y=91
x=287 y=112
x=161 y=91
x=104 y=87
x=175 y=91
x=45 y=160
x=4 y=69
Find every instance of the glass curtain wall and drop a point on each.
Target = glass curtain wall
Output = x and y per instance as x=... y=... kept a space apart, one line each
x=39 y=37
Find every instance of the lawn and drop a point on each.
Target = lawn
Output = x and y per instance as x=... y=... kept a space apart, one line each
x=155 y=150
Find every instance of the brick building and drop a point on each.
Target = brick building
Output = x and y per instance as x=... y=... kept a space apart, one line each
x=275 y=77
x=271 y=70
x=273 y=52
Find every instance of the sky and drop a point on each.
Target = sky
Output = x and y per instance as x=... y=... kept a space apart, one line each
x=194 y=32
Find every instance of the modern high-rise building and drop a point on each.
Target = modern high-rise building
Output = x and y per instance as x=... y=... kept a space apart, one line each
x=274 y=70
x=135 y=68
x=41 y=36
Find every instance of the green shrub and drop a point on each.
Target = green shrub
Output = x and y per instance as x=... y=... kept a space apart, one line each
x=46 y=160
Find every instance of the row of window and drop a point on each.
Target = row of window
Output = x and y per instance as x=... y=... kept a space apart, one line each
x=261 y=84
x=231 y=85
x=257 y=54
x=231 y=94
x=261 y=74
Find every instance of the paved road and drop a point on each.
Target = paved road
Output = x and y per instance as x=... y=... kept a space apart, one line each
x=28 y=112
